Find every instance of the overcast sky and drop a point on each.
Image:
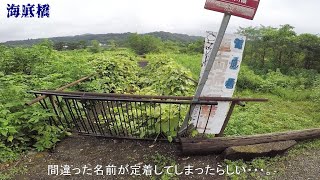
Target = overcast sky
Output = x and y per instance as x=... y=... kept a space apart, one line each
x=75 y=17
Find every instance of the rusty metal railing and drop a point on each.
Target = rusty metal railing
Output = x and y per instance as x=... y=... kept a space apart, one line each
x=118 y=116
x=123 y=115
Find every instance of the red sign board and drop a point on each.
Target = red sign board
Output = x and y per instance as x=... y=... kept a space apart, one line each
x=242 y=8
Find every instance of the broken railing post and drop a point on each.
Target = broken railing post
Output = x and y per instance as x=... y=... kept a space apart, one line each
x=227 y=119
x=204 y=77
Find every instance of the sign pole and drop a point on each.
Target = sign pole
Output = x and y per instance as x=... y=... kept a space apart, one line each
x=204 y=77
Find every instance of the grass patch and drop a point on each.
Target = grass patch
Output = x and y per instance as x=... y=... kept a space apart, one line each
x=10 y=173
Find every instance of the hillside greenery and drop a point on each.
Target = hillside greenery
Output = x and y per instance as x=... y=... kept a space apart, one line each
x=121 y=39
x=278 y=64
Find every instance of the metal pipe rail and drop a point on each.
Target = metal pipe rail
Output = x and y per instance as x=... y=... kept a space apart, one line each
x=124 y=115
x=132 y=96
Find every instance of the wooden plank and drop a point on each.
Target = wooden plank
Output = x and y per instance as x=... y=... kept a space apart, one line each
x=219 y=144
x=59 y=89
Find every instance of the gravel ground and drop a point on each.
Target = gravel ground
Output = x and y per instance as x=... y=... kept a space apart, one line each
x=80 y=151
x=304 y=166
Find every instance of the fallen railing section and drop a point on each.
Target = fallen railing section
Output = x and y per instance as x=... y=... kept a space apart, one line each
x=118 y=115
x=126 y=116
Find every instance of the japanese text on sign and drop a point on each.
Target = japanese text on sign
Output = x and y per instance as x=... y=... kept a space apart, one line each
x=221 y=81
x=28 y=10
x=242 y=8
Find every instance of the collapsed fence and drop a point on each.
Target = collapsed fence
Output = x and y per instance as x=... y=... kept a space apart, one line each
x=124 y=115
x=147 y=117
x=127 y=116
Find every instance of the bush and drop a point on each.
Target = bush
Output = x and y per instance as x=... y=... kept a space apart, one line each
x=95 y=46
x=22 y=127
x=249 y=80
x=163 y=76
x=143 y=44
x=24 y=60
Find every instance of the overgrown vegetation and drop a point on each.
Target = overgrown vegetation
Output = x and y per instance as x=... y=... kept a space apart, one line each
x=24 y=127
x=278 y=64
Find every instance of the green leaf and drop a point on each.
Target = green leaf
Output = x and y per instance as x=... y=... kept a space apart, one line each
x=194 y=133
x=170 y=139
x=165 y=126
x=142 y=134
x=68 y=133
x=10 y=138
x=4 y=132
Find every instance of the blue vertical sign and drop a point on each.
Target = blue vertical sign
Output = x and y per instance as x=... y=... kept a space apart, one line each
x=221 y=81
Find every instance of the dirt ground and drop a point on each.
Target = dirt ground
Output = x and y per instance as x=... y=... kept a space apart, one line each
x=80 y=151
x=305 y=166
x=84 y=154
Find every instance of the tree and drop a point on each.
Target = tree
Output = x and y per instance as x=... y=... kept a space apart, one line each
x=310 y=45
x=171 y=46
x=272 y=48
x=196 y=47
x=72 y=46
x=82 y=44
x=59 y=46
x=143 y=44
x=95 y=46
x=112 y=45
x=24 y=60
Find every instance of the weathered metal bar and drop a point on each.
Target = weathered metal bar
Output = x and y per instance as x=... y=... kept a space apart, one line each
x=154 y=120
x=51 y=119
x=54 y=107
x=80 y=118
x=242 y=104
x=169 y=116
x=73 y=116
x=78 y=111
x=191 y=79
x=205 y=128
x=128 y=117
x=160 y=118
x=84 y=118
x=90 y=94
x=131 y=138
x=199 y=116
x=146 y=118
x=141 y=113
x=115 y=123
x=143 y=100
x=96 y=117
x=208 y=67
x=62 y=111
x=130 y=96
x=227 y=119
x=82 y=107
x=90 y=122
x=132 y=116
x=106 y=119
x=121 y=119
x=59 y=89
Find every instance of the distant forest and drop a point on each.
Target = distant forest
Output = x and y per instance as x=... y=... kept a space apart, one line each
x=267 y=48
x=119 y=38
